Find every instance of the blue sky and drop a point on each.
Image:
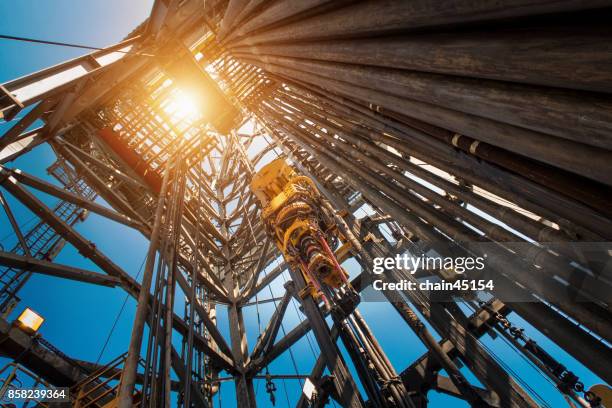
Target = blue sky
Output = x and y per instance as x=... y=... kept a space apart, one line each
x=78 y=316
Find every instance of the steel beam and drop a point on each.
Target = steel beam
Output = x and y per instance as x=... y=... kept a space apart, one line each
x=13 y=221
x=51 y=81
x=68 y=196
x=267 y=338
x=213 y=331
x=101 y=187
x=55 y=369
x=89 y=250
x=345 y=386
x=25 y=143
x=15 y=133
x=35 y=265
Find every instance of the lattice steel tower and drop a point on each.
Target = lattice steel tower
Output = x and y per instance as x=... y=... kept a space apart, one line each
x=266 y=146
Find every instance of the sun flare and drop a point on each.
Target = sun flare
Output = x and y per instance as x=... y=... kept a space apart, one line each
x=183 y=106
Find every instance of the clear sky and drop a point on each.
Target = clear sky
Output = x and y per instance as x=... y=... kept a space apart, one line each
x=78 y=316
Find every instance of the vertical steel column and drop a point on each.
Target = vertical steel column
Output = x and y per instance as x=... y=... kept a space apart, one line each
x=128 y=377
x=171 y=283
x=245 y=393
x=343 y=381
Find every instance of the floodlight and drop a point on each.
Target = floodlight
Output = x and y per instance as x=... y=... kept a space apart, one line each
x=29 y=321
x=309 y=390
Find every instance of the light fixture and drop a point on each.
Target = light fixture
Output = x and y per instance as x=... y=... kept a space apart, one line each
x=309 y=390
x=29 y=321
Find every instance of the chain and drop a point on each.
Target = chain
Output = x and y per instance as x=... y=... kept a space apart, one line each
x=270 y=387
x=567 y=380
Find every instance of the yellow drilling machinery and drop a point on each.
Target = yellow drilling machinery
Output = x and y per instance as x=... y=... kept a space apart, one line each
x=303 y=230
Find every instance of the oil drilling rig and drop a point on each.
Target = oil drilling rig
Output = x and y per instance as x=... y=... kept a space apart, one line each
x=282 y=147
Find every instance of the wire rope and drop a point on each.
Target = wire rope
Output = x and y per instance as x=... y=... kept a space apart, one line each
x=64 y=44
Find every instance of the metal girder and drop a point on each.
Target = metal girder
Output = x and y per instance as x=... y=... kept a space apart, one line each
x=213 y=331
x=316 y=373
x=88 y=249
x=206 y=223
x=107 y=193
x=16 y=228
x=159 y=13
x=250 y=286
x=115 y=372
x=265 y=281
x=175 y=18
x=68 y=196
x=26 y=142
x=85 y=247
x=280 y=347
x=456 y=345
x=35 y=265
x=245 y=392
x=199 y=400
x=266 y=341
x=54 y=368
x=444 y=384
x=294 y=335
x=50 y=81
x=14 y=134
x=218 y=359
x=218 y=291
x=97 y=162
x=344 y=384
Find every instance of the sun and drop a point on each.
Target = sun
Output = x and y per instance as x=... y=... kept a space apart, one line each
x=183 y=106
